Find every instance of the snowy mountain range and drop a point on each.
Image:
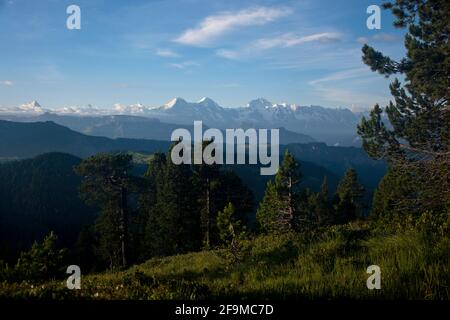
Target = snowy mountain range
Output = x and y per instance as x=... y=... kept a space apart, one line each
x=335 y=126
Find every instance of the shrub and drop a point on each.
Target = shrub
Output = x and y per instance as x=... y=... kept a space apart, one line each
x=43 y=261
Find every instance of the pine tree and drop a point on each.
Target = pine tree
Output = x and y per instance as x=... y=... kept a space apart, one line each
x=226 y=224
x=269 y=209
x=321 y=207
x=107 y=183
x=43 y=261
x=348 y=197
x=231 y=232
x=85 y=249
x=230 y=189
x=416 y=141
x=148 y=224
x=206 y=180
x=107 y=227
x=182 y=208
x=278 y=211
x=392 y=195
x=173 y=219
x=287 y=183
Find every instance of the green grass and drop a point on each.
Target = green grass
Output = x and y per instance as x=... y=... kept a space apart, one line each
x=331 y=265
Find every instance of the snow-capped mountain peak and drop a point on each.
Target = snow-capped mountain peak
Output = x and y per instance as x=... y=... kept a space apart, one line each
x=259 y=103
x=175 y=102
x=208 y=102
x=33 y=106
x=323 y=124
x=137 y=108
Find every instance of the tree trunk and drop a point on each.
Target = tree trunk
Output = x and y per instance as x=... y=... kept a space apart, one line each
x=291 y=209
x=208 y=213
x=124 y=225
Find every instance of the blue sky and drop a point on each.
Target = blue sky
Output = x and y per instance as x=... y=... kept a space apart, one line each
x=304 y=52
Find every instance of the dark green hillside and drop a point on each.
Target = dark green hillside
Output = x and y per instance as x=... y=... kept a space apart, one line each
x=24 y=140
x=339 y=159
x=37 y=196
x=313 y=175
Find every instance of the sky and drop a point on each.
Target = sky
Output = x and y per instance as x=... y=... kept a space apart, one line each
x=305 y=52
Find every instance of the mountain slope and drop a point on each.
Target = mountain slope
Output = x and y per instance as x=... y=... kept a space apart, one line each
x=37 y=196
x=124 y=126
x=24 y=140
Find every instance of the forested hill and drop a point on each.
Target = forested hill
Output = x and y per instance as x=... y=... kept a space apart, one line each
x=38 y=196
x=339 y=159
x=25 y=140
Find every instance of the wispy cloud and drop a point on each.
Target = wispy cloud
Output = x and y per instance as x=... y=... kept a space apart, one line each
x=229 y=54
x=380 y=37
x=183 y=65
x=330 y=88
x=343 y=75
x=215 y=26
x=286 y=40
x=167 y=53
x=356 y=100
x=289 y=40
x=7 y=83
x=362 y=40
x=311 y=57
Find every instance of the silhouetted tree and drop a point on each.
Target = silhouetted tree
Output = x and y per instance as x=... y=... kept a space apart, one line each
x=416 y=139
x=348 y=197
x=107 y=183
x=323 y=213
x=173 y=224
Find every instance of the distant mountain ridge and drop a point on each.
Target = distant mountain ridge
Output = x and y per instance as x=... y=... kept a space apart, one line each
x=26 y=140
x=134 y=127
x=333 y=126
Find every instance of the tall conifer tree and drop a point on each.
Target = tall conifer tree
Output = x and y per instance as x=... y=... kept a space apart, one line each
x=417 y=139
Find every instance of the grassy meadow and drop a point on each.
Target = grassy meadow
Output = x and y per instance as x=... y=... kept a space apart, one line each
x=330 y=264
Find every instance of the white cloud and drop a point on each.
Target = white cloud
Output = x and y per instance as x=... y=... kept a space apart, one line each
x=286 y=40
x=289 y=40
x=344 y=75
x=167 y=53
x=215 y=26
x=7 y=83
x=183 y=65
x=313 y=58
x=228 y=54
